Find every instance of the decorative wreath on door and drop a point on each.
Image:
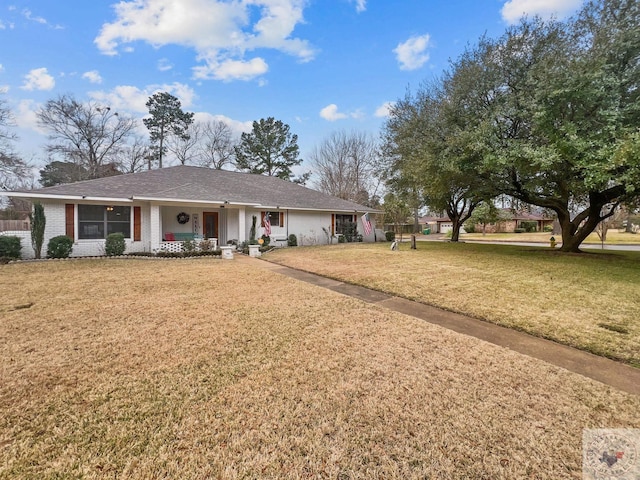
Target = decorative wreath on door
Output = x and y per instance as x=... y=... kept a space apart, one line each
x=183 y=218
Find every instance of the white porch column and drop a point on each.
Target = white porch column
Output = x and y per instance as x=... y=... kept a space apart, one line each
x=155 y=227
x=242 y=230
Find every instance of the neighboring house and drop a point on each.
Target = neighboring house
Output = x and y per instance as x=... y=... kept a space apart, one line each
x=515 y=219
x=437 y=224
x=512 y=220
x=156 y=208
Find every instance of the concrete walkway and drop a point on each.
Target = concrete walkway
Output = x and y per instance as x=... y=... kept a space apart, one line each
x=609 y=372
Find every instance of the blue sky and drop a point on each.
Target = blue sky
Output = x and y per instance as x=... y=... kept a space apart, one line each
x=318 y=65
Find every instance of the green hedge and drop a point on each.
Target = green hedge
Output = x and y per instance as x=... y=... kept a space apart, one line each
x=114 y=244
x=60 y=247
x=10 y=247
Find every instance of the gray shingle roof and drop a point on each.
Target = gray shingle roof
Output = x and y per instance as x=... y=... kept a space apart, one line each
x=197 y=184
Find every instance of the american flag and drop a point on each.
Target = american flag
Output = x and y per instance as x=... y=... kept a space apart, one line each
x=267 y=224
x=366 y=224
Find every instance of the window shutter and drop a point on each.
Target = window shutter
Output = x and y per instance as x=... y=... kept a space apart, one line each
x=282 y=219
x=137 y=224
x=262 y=214
x=69 y=213
x=333 y=224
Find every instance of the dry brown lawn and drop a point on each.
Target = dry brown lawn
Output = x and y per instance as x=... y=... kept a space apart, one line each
x=206 y=368
x=589 y=301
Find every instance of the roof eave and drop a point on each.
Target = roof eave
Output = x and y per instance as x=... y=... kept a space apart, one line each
x=183 y=200
x=53 y=196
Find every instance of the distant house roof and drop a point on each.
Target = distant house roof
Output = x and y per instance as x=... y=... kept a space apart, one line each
x=508 y=213
x=187 y=184
x=519 y=215
x=428 y=219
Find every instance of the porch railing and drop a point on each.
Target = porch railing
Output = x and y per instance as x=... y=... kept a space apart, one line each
x=176 y=246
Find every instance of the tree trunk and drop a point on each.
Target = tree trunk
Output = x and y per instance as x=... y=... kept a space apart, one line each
x=575 y=231
x=455 y=232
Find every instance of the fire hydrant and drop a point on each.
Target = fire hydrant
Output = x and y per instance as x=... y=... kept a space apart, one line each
x=552 y=242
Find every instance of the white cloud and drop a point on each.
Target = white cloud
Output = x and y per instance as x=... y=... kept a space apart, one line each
x=384 y=109
x=330 y=113
x=514 y=10
x=41 y=20
x=232 y=70
x=237 y=127
x=133 y=99
x=164 y=65
x=25 y=116
x=93 y=76
x=29 y=16
x=220 y=32
x=412 y=54
x=361 y=5
x=38 y=79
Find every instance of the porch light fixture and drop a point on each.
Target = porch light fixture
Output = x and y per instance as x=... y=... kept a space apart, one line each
x=109 y=209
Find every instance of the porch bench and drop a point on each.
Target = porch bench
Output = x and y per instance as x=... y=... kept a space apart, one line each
x=278 y=238
x=184 y=236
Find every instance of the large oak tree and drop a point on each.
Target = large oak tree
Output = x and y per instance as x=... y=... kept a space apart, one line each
x=549 y=114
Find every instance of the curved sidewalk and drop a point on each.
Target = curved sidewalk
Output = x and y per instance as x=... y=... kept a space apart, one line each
x=604 y=370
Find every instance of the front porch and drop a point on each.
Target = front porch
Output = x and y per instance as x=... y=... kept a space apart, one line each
x=171 y=226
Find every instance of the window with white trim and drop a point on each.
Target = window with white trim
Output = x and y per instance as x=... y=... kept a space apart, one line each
x=344 y=223
x=276 y=219
x=98 y=221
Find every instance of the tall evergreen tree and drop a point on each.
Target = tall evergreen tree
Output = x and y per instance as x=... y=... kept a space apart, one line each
x=269 y=149
x=167 y=119
x=38 y=223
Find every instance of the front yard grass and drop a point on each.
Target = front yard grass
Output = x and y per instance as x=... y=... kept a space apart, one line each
x=590 y=301
x=208 y=368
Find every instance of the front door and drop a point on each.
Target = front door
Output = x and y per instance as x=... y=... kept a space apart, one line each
x=210 y=224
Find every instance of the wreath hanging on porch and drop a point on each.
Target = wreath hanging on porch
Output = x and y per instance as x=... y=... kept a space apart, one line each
x=183 y=218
